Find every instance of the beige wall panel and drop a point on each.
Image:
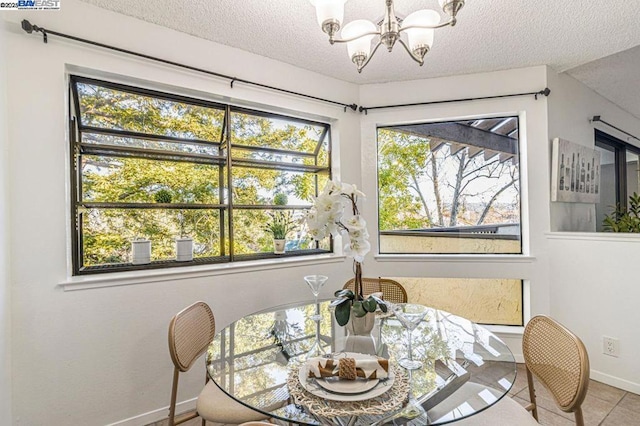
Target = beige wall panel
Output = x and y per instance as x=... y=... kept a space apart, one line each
x=487 y=301
x=418 y=244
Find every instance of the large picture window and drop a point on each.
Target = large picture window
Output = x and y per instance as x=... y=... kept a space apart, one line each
x=151 y=166
x=450 y=187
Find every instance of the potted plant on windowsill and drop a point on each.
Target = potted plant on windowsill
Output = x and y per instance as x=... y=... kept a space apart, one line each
x=280 y=224
x=327 y=217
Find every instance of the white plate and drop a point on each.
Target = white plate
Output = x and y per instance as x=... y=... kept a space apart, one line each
x=347 y=386
x=312 y=385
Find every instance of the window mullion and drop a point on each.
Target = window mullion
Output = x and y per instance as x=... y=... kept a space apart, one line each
x=229 y=180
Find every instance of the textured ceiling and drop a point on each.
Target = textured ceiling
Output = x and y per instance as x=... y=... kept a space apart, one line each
x=490 y=35
x=616 y=77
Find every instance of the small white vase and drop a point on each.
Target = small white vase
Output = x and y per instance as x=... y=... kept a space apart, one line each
x=278 y=246
x=140 y=252
x=184 y=249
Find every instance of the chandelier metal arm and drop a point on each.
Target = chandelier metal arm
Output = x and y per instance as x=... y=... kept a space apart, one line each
x=373 y=52
x=450 y=22
x=347 y=40
x=413 y=55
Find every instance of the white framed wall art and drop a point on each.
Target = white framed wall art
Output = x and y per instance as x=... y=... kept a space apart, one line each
x=575 y=173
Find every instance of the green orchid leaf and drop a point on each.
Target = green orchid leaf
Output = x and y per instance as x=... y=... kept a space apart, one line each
x=344 y=293
x=370 y=304
x=343 y=312
x=338 y=301
x=358 y=309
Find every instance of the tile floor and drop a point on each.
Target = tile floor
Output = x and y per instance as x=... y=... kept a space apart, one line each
x=604 y=405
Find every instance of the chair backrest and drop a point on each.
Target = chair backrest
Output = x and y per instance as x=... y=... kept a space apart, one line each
x=190 y=333
x=559 y=360
x=392 y=291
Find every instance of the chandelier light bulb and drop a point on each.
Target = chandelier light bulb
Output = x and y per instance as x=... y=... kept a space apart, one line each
x=359 y=48
x=421 y=39
x=330 y=14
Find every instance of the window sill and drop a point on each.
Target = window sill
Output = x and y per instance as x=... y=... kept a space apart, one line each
x=595 y=236
x=505 y=330
x=157 y=275
x=456 y=258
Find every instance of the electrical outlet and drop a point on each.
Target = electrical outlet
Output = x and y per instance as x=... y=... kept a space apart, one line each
x=610 y=346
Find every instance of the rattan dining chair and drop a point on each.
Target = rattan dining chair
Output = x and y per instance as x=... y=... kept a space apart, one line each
x=190 y=333
x=559 y=360
x=392 y=291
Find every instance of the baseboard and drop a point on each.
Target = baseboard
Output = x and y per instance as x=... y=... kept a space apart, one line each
x=615 y=381
x=156 y=415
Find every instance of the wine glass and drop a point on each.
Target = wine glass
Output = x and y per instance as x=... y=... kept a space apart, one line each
x=316 y=282
x=410 y=315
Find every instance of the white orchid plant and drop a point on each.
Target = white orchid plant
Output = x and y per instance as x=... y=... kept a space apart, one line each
x=326 y=218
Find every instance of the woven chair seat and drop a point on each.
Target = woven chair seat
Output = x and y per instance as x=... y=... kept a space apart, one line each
x=216 y=406
x=505 y=412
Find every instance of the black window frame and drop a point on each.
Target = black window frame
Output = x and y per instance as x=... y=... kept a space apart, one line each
x=619 y=148
x=225 y=162
x=477 y=231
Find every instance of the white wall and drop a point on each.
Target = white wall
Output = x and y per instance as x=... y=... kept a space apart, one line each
x=570 y=108
x=594 y=287
x=99 y=356
x=533 y=266
x=5 y=294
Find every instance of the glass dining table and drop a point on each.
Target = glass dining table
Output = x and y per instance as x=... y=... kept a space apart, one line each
x=256 y=361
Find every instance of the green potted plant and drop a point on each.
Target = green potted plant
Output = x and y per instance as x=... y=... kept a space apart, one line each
x=280 y=223
x=624 y=219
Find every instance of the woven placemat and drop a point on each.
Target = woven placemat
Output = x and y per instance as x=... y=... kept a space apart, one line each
x=389 y=401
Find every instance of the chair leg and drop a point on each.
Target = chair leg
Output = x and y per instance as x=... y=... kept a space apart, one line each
x=532 y=394
x=174 y=395
x=579 y=418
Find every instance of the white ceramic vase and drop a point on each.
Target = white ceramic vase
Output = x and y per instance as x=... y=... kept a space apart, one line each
x=278 y=246
x=359 y=338
x=140 y=252
x=184 y=249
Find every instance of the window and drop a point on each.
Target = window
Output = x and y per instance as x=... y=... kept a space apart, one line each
x=450 y=187
x=157 y=166
x=619 y=174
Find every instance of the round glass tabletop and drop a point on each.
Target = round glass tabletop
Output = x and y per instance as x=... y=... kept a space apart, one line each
x=465 y=368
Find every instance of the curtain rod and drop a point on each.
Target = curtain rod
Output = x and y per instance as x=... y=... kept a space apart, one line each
x=597 y=118
x=544 y=92
x=30 y=28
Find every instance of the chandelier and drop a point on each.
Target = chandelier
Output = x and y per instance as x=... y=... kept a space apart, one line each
x=419 y=27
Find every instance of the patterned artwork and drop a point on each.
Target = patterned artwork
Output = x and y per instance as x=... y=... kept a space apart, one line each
x=575 y=173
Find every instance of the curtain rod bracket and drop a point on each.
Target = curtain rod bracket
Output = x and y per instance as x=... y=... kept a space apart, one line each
x=233 y=80
x=30 y=28
x=546 y=92
x=363 y=109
